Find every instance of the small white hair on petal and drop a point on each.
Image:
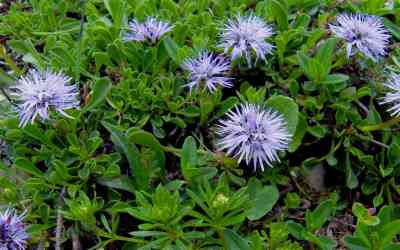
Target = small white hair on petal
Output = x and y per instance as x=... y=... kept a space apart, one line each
x=254 y=134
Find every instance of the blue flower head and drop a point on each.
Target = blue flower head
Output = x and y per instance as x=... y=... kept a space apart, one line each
x=208 y=69
x=13 y=235
x=37 y=93
x=362 y=33
x=253 y=134
x=244 y=37
x=150 y=30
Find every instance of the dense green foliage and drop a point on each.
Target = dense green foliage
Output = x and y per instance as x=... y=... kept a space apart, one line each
x=137 y=168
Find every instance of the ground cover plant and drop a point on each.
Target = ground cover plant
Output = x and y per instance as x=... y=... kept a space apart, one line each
x=207 y=124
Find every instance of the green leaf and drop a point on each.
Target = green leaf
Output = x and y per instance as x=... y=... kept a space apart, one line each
x=28 y=167
x=393 y=246
x=226 y=105
x=278 y=232
x=323 y=242
x=297 y=230
x=206 y=107
x=147 y=139
x=364 y=216
x=389 y=231
x=325 y=55
x=5 y=79
x=302 y=21
x=141 y=175
x=335 y=79
x=301 y=130
x=234 y=241
x=263 y=201
x=317 y=131
x=38 y=229
x=288 y=108
x=116 y=8
x=189 y=158
x=62 y=170
x=171 y=6
x=171 y=48
x=317 y=218
x=101 y=58
x=37 y=134
x=122 y=182
x=389 y=213
x=279 y=10
x=100 y=90
x=355 y=243
x=351 y=178
x=394 y=29
x=147 y=233
x=191 y=111
x=305 y=64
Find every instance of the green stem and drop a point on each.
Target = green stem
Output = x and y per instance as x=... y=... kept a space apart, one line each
x=222 y=237
x=102 y=233
x=60 y=32
x=178 y=152
x=366 y=138
x=381 y=126
x=172 y=150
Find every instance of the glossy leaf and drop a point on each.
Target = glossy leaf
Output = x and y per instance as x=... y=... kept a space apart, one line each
x=99 y=93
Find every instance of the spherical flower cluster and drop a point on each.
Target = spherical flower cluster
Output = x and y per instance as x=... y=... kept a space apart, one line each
x=37 y=93
x=244 y=36
x=253 y=134
x=13 y=235
x=150 y=30
x=393 y=97
x=208 y=69
x=366 y=33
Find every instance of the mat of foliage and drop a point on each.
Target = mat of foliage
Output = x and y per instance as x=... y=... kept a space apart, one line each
x=137 y=166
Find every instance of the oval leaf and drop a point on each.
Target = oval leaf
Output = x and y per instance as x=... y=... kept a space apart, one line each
x=100 y=90
x=288 y=108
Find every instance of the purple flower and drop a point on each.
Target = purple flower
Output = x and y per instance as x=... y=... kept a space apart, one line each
x=253 y=134
x=208 y=69
x=366 y=33
x=151 y=30
x=393 y=97
x=13 y=235
x=37 y=93
x=245 y=36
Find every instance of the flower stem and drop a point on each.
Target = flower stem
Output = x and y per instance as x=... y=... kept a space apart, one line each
x=113 y=236
x=381 y=126
x=366 y=138
x=178 y=151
